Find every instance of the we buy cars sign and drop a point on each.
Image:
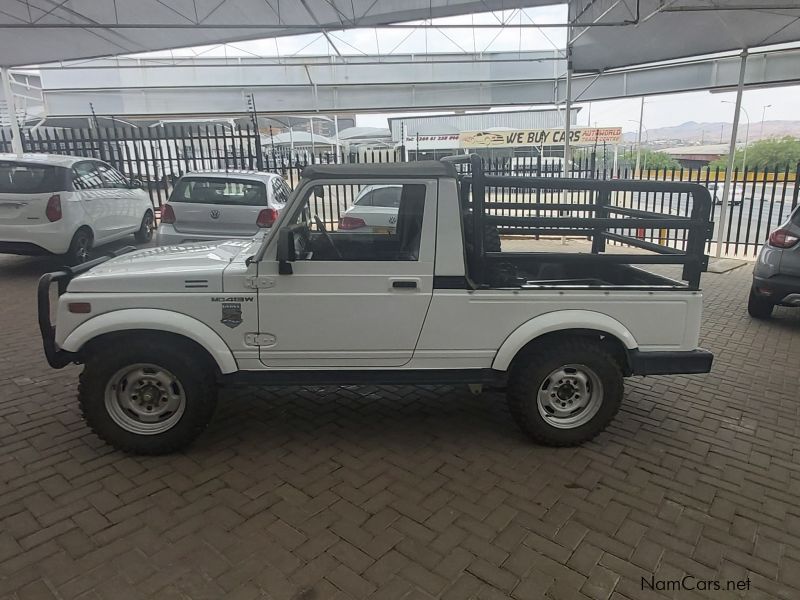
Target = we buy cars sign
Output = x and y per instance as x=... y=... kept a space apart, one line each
x=579 y=136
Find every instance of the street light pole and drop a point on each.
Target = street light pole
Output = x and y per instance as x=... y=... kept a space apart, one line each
x=763 y=114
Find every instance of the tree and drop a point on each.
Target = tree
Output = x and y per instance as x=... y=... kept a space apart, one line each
x=770 y=155
x=650 y=159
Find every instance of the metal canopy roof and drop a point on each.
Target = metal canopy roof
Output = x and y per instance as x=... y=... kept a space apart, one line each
x=606 y=33
x=43 y=31
x=627 y=32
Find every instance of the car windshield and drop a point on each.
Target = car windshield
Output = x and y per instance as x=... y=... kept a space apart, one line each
x=24 y=178
x=214 y=190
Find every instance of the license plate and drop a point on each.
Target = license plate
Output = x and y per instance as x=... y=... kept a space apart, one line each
x=384 y=230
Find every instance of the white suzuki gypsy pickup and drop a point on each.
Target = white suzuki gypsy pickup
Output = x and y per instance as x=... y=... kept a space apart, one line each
x=433 y=300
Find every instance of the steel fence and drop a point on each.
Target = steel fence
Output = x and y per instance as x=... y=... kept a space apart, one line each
x=159 y=155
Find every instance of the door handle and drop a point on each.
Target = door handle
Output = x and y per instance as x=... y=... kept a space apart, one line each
x=402 y=283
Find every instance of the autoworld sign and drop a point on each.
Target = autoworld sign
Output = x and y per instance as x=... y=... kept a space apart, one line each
x=514 y=138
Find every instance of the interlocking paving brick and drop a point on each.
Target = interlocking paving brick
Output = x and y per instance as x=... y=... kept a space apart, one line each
x=314 y=493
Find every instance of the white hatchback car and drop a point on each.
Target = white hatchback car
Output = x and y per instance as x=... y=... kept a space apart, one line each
x=374 y=210
x=53 y=204
x=215 y=205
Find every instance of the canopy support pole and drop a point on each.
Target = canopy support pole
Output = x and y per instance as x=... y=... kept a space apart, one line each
x=567 y=114
x=723 y=210
x=16 y=138
x=637 y=172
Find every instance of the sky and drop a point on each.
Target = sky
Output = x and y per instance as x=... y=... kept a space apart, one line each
x=660 y=111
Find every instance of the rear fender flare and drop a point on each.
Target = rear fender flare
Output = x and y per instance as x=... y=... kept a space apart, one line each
x=560 y=320
x=155 y=320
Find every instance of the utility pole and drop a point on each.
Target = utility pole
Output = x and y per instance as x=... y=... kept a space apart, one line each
x=763 y=114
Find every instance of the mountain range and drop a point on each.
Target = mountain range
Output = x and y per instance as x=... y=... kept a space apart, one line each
x=713 y=133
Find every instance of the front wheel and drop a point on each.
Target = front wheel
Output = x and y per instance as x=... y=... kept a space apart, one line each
x=147 y=397
x=565 y=393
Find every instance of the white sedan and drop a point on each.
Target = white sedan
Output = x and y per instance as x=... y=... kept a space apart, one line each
x=374 y=210
x=53 y=204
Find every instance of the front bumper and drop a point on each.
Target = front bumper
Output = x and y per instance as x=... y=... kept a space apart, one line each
x=56 y=357
x=777 y=288
x=669 y=363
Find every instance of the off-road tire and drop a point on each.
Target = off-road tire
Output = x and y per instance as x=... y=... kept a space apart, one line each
x=80 y=247
x=181 y=359
x=530 y=371
x=145 y=232
x=758 y=306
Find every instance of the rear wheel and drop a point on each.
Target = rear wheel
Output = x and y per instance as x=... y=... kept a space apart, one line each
x=145 y=232
x=80 y=247
x=759 y=307
x=565 y=393
x=147 y=397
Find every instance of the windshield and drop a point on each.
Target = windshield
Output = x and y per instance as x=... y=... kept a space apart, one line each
x=24 y=178
x=214 y=190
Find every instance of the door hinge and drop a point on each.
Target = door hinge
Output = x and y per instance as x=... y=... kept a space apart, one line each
x=259 y=339
x=259 y=282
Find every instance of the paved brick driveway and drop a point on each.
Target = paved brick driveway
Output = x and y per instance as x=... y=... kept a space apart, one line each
x=409 y=493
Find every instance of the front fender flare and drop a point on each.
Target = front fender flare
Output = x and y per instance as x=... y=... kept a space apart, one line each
x=560 y=320
x=156 y=320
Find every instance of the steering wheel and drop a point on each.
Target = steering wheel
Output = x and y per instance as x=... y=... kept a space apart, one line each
x=327 y=236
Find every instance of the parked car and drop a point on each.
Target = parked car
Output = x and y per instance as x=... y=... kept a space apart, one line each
x=52 y=204
x=776 y=277
x=216 y=205
x=717 y=189
x=374 y=210
x=306 y=305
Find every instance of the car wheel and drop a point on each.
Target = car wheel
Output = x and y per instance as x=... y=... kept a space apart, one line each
x=80 y=247
x=759 y=307
x=567 y=392
x=145 y=232
x=147 y=397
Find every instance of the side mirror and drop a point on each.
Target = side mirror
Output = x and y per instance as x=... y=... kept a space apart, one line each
x=136 y=184
x=319 y=192
x=286 y=251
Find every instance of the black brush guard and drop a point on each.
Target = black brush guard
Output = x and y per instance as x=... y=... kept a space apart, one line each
x=59 y=358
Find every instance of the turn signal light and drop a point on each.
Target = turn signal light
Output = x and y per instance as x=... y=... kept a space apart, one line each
x=351 y=223
x=267 y=217
x=167 y=214
x=781 y=238
x=53 y=210
x=80 y=308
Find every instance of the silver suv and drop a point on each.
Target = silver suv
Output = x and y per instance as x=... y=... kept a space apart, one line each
x=214 y=205
x=776 y=277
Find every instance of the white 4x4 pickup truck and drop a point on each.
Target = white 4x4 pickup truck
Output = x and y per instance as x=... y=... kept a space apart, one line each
x=434 y=301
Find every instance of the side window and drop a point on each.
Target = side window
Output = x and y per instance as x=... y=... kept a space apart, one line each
x=111 y=177
x=393 y=233
x=85 y=176
x=280 y=191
